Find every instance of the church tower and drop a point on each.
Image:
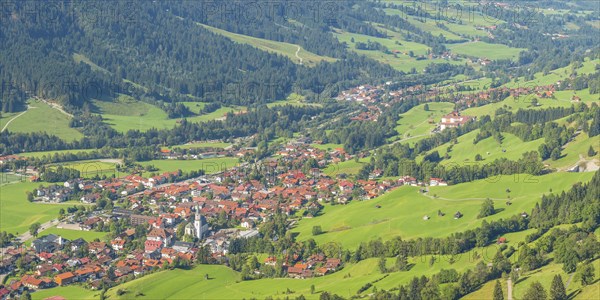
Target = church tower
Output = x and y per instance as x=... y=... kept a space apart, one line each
x=198 y=224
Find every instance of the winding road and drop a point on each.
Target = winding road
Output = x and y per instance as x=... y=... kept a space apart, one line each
x=297 y=56
x=9 y=121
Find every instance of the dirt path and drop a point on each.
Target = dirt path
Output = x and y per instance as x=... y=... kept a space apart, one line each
x=509 y=289
x=298 y=56
x=53 y=105
x=569 y=281
x=9 y=121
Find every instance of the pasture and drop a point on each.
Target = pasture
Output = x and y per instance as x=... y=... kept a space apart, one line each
x=40 y=117
x=295 y=53
x=209 y=165
x=17 y=214
x=418 y=122
x=68 y=292
x=402 y=209
x=485 y=50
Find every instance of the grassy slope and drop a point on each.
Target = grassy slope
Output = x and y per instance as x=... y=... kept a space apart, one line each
x=402 y=210
x=41 y=154
x=16 y=213
x=415 y=122
x=68 y=292
x=485 y=50
x=41 y=117
x=281 y=48
x=126 y=114
x=91 y=168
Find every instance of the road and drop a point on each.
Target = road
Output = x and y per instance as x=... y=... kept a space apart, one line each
x=509 y=289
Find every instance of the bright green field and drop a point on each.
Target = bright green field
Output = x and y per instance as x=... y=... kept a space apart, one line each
x=16 y=213
x=294 y=100
x=573 y=150
x=485 y=50
x=349 y=167
x=327 y=146
x=41 y=154
x=545 y=275
x=415 y=122
x=41 y=117
x=209 y=165
x=402 y=210
x=281 y=48
x=7 y=178
x=223 y=283
x=200 y=145
x=130 y=115
x=91 y=168
x=465 y=151
x=74 y=234
x=71 y=292
x=513 y=104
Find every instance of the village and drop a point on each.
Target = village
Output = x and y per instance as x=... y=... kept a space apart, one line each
x=159 y=222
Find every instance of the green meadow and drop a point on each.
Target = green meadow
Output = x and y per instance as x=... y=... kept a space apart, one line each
x=41 y=154
x=511 y=148
x=74 y=234
x=200 y=145
x=17 y=214
x=40 y=117
x=70 y=292
x=401 y=210
x=485 y=50
x=294 y=100
x=295 y=53
x=418 y=122
x=209 y=165
x=126 y=113
x=349 y=167
x=91 y=168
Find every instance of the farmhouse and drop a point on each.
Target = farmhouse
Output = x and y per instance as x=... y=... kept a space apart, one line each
x=454 y=120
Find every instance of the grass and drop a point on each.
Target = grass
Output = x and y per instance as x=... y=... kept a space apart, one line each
x=416 y=121
x=402 y=209
x=329 y=146
x=209 y=165
x=487 y=291
x=485 y=50
x=545 y=275
x=40 y=117
x=349 y=167
x=7 y=178
x=571 y=151
x=17 y=214
x=400 y=61
x=91 y=168
x=78 y=58
x=200 y=145
x=294 y=100
x=126 y=113
x=465 y=151
x=41 y=154
x=71 y=292
x=280 y=48
x=74 y=234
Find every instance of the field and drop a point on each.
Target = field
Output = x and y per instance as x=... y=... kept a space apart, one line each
x=91 y=168
x=489 y=148
x=485 y=50
x=7 y=178
x=125 y=113
x=327 y=146
x=16 y=213
x=41 y=154
x=200 y=145
x=74 y=234
x=513 y=104
x=224 y=283
x=295 y=53
x=209 y=165
x=401 y=60
x=402 y=209
x=418 y=122
x=294 y=100
x=68 y=292
x=349 y=167
x=40 y=117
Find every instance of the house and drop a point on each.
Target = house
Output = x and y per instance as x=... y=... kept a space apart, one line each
x=454 y=120
x=458 y=215
x=501 y=240
x=77 y=244
x=48 y=243
x=65 y=278
x=151 y=246
x=433 y=181
x=159 y=234
x=182 y=247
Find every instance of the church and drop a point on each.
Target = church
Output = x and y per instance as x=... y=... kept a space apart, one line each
x=199 y=228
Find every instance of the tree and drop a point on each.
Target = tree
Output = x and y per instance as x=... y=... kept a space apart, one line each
x=426 y=107
x=585 y=274
x=401 y=262
x=312 y=288
x=557 y=289
x=487 y=209
x=591 y=152
x=478 y=157
x=26 y=296
x=535 y=292
x=498 y=295
x=381 y=264
x=34 y=228
x=431 y=290
x=555 y=153
x=316 y=230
